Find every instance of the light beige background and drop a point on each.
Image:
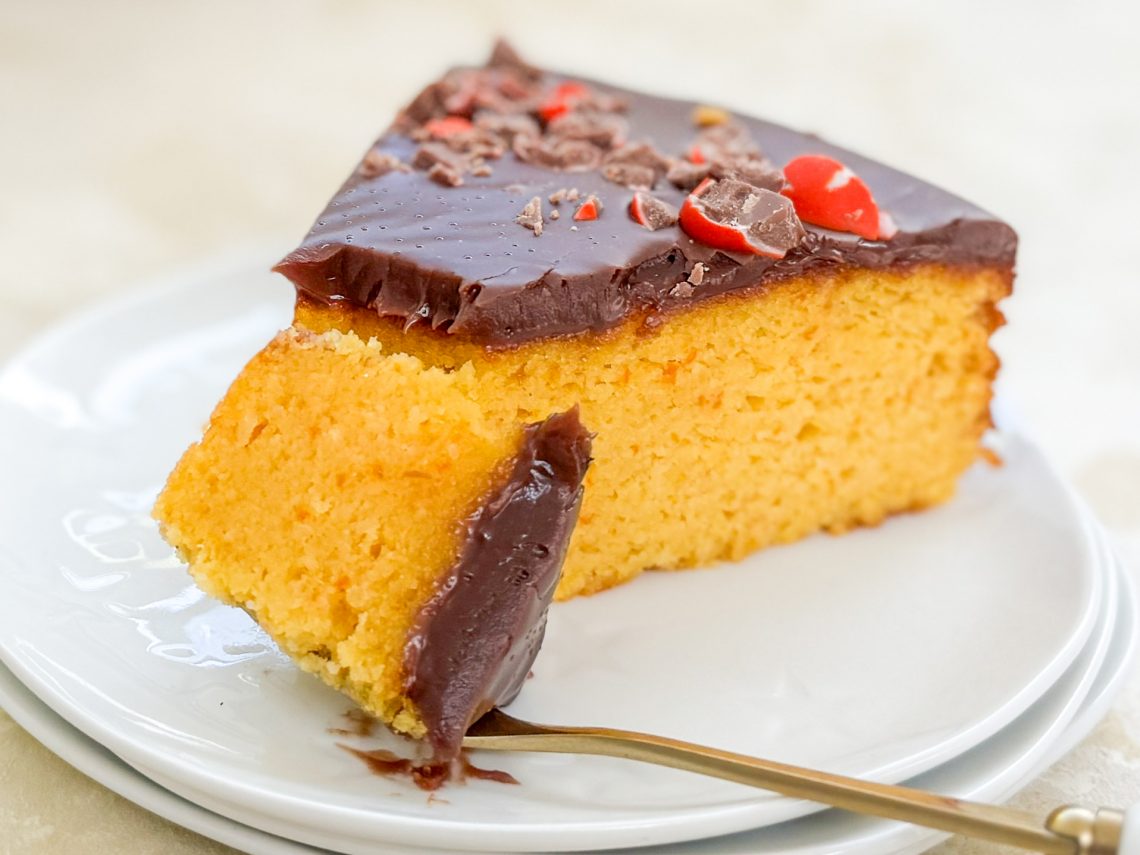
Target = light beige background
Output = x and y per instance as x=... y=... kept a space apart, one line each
x=136 y=138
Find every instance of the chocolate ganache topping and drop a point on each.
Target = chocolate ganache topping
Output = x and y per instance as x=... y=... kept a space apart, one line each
x=473 y=643
x=507 y=204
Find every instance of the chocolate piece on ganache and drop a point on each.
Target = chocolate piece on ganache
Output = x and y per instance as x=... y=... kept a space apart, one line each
x=438 y=244
x=473 y=643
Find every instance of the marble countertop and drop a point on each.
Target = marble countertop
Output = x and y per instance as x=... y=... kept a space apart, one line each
x=142 y=138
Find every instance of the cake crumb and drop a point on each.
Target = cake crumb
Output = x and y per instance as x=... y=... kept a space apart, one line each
x=554 y=215
x=991 y=457
x=530 y=217
x=697 y=276
x=446 y=175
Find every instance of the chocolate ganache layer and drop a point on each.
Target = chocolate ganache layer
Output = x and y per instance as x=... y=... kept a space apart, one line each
x=498 y=208
x=473 y=643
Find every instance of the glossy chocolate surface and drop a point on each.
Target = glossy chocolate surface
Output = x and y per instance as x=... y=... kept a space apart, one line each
x=414 y=249
x=475 y=640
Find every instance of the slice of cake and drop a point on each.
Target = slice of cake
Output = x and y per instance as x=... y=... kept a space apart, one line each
x=387 y=534
x=768 y=337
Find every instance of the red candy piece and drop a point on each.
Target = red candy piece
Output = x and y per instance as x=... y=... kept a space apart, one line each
x=562 y=100
x=709 y=226
x=696 y=155
x=699 y=227
x=635 y=211
x=448 y=126
x=651 y=212
x=588 y=210
x=828 y=194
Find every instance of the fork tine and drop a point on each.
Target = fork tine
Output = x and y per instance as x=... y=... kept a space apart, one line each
x=497 y=724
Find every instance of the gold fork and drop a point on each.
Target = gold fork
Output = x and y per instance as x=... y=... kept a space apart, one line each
x=1068 y=830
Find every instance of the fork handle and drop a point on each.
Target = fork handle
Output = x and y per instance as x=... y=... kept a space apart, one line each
x=1069 y=830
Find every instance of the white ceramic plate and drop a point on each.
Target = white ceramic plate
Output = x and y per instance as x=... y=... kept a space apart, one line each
x=990 y=771
x=870 y=654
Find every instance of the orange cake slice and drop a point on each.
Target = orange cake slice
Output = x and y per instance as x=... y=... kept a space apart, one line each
x=766 y=335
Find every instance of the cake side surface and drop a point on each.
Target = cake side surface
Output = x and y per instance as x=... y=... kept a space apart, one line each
x=404 y=243
x=333 y=496
x=819 y=403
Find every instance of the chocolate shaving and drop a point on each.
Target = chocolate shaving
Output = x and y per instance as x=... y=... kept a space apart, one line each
x=477 y=143
x=517 y=93
x=564 y=155
x=604 y=130
x=426 y=105
x=638 y=166
x=777 y=227
x=603 y=103
x=377 y=163
x=466 y=97
x=446 y=175
x=630 y=175
x=757 y=171
x=507 y=126
x=442 y=164
x=576 y=155
x=434 y=153
x=531 y=216
x=686 y=175
x=506 y=85
x=504 y=56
